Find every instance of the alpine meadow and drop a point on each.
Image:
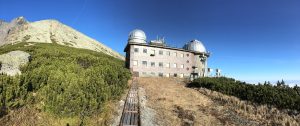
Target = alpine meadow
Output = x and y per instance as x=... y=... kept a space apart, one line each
x=63 y=81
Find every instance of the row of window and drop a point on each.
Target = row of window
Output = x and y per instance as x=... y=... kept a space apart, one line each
x=160 y=52
x=160 y=64
x=181 y=75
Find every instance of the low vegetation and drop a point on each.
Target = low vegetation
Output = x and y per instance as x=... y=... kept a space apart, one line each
x=280 y=95
x=63 y=81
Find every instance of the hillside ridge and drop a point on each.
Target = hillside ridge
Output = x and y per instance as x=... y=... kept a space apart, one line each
x=49 y=31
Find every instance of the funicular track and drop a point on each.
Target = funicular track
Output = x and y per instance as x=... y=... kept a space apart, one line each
x=131 y=114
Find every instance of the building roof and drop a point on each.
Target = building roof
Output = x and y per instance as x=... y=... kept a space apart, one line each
x=195 y=45
x=164 y=47
x=137 y=36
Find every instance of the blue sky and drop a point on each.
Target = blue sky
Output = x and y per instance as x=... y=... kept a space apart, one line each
x=248 y=39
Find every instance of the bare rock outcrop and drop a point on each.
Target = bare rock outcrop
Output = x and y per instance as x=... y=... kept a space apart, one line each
x=7 y=27
x=49 y=31
x=10 y=62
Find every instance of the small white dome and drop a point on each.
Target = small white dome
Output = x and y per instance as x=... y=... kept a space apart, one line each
x=137 y=36
x=195 y=45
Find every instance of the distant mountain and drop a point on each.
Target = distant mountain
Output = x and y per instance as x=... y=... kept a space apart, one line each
x=49 y=31
x=291 y=83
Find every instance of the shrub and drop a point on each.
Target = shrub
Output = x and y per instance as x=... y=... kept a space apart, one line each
x=25 y=38
x=67 y=81
x=281 y=96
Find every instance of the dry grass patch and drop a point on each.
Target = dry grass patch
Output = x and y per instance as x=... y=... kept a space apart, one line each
x=264 y=114
x=175 y=104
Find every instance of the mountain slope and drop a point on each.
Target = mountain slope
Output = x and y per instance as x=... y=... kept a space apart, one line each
x=6 y=27
x=173 y=103
x=49 y=31
x=61 y=81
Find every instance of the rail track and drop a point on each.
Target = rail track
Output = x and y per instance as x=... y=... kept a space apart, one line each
x=131 y=113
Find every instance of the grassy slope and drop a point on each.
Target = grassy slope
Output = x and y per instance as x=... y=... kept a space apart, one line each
x=63 y=81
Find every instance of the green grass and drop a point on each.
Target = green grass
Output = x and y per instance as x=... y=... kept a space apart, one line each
x=63 y=81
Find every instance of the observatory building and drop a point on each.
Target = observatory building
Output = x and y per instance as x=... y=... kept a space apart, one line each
x=155 y=58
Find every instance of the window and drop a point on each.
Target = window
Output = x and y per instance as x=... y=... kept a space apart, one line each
x=187 y=61
x=152 y=73
x=160 y=74
x=167 y=75
x=168 y=65
x=187 y=75
x=144 y=50
x=181 y=55
x=187 y=68
x=153 y=64
x=175 y=65
x=144 y=73
x=160 y=52
x=182 y=66
x=153 y=51
x=144 y=63
x=168 y=53
x=136 y=50
x=175 y=53
x=135 y=62
x=187 y=55
x=181 y=75
x=160 y=64
x=175 y=74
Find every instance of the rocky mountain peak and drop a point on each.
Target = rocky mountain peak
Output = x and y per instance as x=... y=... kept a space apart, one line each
x=1 y=22
x=19 y=21
x=49 y=31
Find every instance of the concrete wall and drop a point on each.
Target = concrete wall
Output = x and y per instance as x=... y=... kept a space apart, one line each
x=201 y=65
x=148 y=70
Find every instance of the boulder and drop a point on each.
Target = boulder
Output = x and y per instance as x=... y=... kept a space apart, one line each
x=11 y=62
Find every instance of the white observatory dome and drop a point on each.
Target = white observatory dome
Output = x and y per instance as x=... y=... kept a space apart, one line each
x=137 y=36
x=195 y=45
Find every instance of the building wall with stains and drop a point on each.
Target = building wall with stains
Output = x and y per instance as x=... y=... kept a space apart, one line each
x=153 y=61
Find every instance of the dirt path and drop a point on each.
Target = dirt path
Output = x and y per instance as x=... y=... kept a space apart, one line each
x=174 y=104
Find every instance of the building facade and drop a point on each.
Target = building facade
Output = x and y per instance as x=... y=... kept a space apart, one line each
x=157 y=59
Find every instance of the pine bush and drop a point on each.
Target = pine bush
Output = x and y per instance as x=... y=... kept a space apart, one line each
x=280 y=95
x=66 y=81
